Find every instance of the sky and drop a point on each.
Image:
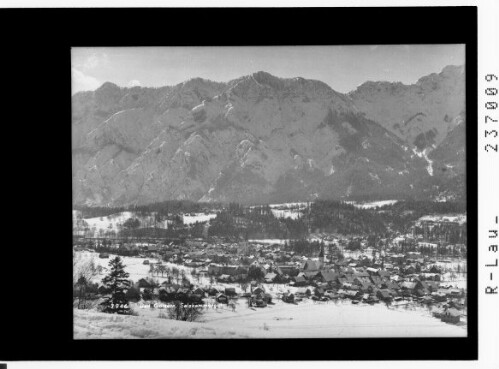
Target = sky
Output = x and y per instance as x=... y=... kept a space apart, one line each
x=343 y=68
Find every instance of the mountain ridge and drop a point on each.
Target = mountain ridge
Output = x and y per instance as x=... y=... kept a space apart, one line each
x=255 y=137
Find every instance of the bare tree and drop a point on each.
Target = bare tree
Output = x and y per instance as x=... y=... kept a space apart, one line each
x=185 y=312
x=161 y=269
x=83 y=267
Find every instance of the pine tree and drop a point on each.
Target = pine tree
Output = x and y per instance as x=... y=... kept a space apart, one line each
x=117 y=284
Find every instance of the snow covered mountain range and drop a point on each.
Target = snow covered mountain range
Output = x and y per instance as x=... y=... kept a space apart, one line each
x=260 y=138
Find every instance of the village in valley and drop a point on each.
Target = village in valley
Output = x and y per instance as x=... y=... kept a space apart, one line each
x=318 y=269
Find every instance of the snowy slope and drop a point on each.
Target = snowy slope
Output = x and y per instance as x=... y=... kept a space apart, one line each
x=95 y=325
x=305 y=320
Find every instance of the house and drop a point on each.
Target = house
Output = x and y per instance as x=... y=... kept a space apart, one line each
x=347 y=285
x=384 y=274
x=352 y=294
x=267 y=297
x=388 y=266
x=435 y=269
x=214 y=269
x=290 y=270
x=377 y=281
x=456 y=292
x=424 y=287
x=242 y=270
x=361 y=274
x=341 y=293
x=456 y=305
x=427 y=300
x=229 y=270
x=241 y=277
x=363 y=286
x=319 y=291
x=302 y=291
x=199 y=291
x=439 y=296
x=346 y=278
x=410 y=286
x=225 y=278
x=270 y=277
x=103 y=290
x=213 y=291
x=288 y=297
x=310 y=265
x=372 y=299
x=451 y=315
x=258 y=290
x=169 y=287
x=230 y=291
x=300 y=281
x=260 y=303
x=310 y=274
x=327 y=276
x=391 y=285
x=384 y=295
x=222 y=299
x=144 y=283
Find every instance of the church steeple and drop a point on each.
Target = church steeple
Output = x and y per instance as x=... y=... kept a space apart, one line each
x=321 y=256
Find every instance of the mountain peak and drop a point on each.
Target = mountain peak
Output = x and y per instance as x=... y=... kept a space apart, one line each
x=268 y=79
x=452 y=69
x=109 y=86
x=449 y=71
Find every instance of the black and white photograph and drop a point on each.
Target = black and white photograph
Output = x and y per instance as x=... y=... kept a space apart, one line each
x=231 y=192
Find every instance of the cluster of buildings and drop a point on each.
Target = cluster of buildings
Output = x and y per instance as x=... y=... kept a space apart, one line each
x=403 y=267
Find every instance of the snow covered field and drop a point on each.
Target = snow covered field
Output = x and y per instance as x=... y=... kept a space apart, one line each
x=371 y=205
x=314 y=320
x=201 y=217
x=290 y=205
x=291 y=210
x=108 y=223
x=307 y=320
x=133 y=265
x=113 y=221
x=457 y=218
x=95 y=325
x=288 y=213
x=270 y=241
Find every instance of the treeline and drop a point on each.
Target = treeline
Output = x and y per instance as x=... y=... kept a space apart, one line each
x=237 y=223
x=162 y=208
x=304 y=247
x=174 y=207
x=428 y=207
x=339 y=217
x=194 y=231
x=400 y=215
x=98 y=211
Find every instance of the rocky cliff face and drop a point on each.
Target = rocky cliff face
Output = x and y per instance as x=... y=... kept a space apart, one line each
x=255 y=139
x=421 y=114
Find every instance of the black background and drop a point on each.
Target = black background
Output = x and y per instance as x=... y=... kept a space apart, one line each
x=35 y=126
